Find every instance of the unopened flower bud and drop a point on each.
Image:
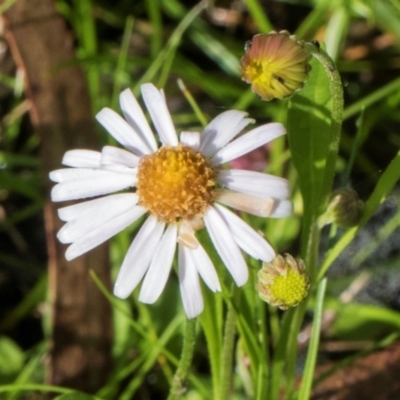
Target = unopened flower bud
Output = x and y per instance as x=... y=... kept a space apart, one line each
x=276 y=65
x=283 y=282
x=345 y=208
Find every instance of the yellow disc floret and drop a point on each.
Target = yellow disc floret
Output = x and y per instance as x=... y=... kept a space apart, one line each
x=175 y=183
x=290 y=289
x=283 y=282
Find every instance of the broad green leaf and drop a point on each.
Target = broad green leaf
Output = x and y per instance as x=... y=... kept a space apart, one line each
x=309 y=119
x=11 y=358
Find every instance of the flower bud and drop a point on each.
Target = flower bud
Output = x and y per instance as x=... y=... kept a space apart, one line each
x=283 y=282
x=345 y=208
x=276 y=65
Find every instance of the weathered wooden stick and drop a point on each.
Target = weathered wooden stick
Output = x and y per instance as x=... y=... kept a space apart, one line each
x=60 y=112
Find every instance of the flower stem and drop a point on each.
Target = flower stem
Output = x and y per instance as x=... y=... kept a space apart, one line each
x=177 y=386
x=228 y=346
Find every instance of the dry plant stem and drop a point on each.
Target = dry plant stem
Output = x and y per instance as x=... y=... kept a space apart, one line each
x=61 y=114
x=189 y=340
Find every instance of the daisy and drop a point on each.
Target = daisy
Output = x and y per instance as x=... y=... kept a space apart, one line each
x=180 y=187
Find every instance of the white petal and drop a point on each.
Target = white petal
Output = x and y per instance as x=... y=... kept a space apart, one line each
x=189 y=284
x=103 y=182
x=76 y=174
x=254 y=183
x=96 y=216
x=72 y=174
x=81 y=158
x=122 y=131
x=205 y=268
x=111 y=155
x=157 y=107
x=191 y=139
x=246 y=237
x=248 y=142
x=186 y=235
x=261 y=207
x=138 y=257
x=122 y=169
x=134 y=115
x=81 y=209
x=282 y=209
x=160 y=266
x=221 y=130
x=103 y=233
x=226 y=246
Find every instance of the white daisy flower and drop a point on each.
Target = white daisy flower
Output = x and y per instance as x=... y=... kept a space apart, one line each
x=179 y=186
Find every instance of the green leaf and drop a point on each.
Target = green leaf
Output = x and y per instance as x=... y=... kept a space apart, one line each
x=361 y=321
x=11 y=358
x=76 y=396
x=309 y=119
x=211 y=322
x=308 y=373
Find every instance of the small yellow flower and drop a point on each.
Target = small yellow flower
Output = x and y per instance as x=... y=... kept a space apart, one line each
x=283 y=282
x=276 y=65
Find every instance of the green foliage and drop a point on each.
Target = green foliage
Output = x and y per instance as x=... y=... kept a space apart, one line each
x=75 y=396
x=308 y=124
x=128 y=43
x=11 y=359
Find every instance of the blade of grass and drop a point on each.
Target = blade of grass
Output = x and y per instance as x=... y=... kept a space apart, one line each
x=154 y=13
x=211 y=322
x=336 y=31
x=314 y=20
x=85 y=27
x=121 y=63
x=6 y=5
x=36 y=387
x=280 y=355
x=31 y=300
x=259 y=16
x=164 y=59
x=306 y=383
x=372 y=98
x=193 y=104
x=216 y=50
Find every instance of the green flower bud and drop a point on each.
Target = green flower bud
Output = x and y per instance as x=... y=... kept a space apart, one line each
x=276 y=65
x=345 y=208
x=283 y=282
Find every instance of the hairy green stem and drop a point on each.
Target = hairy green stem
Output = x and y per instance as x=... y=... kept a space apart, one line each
x=228 y=347
x=177 y=386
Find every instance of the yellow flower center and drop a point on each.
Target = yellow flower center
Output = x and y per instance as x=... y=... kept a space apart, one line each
x=289 y=289
x=175 y=183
